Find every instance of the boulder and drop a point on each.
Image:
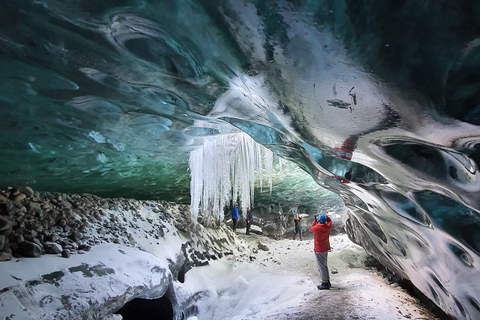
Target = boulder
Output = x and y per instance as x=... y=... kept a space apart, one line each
x=66 y=253
x=52 y=248
x=5 y=256
x=5 y=223
x=263 y=247
x=19 y=197
x=27 y=191
x=30 y=249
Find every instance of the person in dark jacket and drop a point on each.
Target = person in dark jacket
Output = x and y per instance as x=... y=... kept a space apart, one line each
x=321 y=232
x=235 y=216
x=298 y=227
x=249 y=219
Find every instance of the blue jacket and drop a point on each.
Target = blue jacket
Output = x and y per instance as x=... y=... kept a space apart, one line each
x=234 y=213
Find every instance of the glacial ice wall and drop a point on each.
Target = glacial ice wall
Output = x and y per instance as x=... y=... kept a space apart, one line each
x=377 y=101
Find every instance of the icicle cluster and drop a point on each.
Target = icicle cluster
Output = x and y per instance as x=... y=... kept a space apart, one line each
x=224 y=170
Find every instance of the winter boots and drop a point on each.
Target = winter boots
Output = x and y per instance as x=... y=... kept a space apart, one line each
x=324 y=286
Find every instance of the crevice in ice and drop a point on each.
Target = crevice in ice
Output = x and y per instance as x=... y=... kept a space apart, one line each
x=147 y=309
x=224 y=171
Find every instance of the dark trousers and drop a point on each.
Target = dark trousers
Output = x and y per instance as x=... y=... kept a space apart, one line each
x=248 y=228
x=298 y=230
x=235 y=224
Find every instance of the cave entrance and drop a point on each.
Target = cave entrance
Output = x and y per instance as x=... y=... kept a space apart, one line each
x=146 y=309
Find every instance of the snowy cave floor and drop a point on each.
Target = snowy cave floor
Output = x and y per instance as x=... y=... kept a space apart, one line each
x=276 y=282
x=281 y=283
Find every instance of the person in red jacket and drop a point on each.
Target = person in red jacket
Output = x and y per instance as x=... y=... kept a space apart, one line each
x=321 y=233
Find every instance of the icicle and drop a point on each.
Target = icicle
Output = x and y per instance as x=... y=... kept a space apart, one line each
x=280 y=165
x=224 y=170
x=268 y=158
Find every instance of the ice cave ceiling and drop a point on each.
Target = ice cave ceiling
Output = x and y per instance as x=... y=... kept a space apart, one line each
x=377 y=100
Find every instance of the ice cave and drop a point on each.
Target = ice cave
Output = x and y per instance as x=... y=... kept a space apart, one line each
x=129 y=128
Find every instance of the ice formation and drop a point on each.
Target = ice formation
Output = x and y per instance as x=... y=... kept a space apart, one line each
x=224 y=170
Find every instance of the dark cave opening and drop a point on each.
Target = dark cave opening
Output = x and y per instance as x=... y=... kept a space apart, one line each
x=146 y=309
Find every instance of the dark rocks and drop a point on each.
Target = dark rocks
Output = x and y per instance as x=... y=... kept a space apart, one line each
x=84 y=247
x=5 y=256
x=5 y=223
x=52 y=248
x=61 y=224
x=66 y=253
x=76 y=236
x=2 y=241
x=19 y=197
x=34 y=208
x=52 y=237
x=30 y=249
x=3 y=198
x=27 y=191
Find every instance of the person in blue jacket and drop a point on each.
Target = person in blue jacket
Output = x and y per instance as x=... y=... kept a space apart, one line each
x=235 y=216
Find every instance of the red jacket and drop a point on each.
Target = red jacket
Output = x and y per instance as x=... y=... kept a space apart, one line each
x=321 y=232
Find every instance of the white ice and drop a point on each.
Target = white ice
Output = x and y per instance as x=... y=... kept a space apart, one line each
x=249 y=284
x=281 y=284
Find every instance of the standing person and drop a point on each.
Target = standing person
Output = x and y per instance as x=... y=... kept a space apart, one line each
x=249 y=219
x=321 y=233
x=298 y=227
x=235 y=216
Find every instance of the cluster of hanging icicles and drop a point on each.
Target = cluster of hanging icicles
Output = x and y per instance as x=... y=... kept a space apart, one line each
x=225 y=170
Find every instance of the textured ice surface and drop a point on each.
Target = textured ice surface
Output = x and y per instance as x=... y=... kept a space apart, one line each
x=378 y=102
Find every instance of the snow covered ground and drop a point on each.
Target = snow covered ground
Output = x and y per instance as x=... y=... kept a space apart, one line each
x=281 y=284
x=256 y=278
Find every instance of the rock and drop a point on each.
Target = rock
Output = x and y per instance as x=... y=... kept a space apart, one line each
x=30 y=236
x=52 y=237
x=57 y=229
x=263 y=247
x=6 y=232
x=52 y=248
x=14 y=192
x=5 y=223
x=20 y=238
x=62 y=222
x=2 y=241
x=3 y=198
x=76 y=236
x=66 y=204
x=46 y=206
x=5 y=256
x=27 y=191
x=66 y=253
x=34 y=207
x=131 y=240
x=30 y=249
x=84 y=247
x=19 y=197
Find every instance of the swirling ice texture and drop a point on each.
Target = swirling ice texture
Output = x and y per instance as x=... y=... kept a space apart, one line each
x=378 y=102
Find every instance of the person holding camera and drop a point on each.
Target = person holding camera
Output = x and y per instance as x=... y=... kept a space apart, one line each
x=321 y=233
